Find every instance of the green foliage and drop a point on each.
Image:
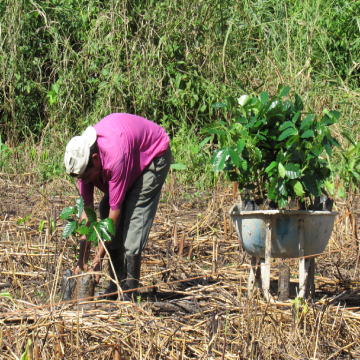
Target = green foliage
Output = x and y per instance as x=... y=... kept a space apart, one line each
x=297 y=303
x=269 y=146
x=105 y=228
x=23 y=220
x=66 y=64
x=4 y=154
x=348 y=168
x=72 y=62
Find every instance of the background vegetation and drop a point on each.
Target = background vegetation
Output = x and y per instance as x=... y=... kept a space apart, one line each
x=66 y=64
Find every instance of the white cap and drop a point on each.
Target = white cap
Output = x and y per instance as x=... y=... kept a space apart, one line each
x=78 y=151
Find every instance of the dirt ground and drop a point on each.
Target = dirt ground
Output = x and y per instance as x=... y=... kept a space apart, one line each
x=193 y=301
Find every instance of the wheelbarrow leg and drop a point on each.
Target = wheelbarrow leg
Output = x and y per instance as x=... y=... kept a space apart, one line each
x=312 y=277
x=265 y=264
x=252 y=277
x=303 y=263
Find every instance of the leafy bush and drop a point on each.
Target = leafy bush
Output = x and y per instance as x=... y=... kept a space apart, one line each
x=269 y=145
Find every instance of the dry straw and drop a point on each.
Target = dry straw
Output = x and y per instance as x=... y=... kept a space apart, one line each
x=190 y=307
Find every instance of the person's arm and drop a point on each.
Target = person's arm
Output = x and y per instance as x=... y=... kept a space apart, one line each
x=84 y=246
x=95 y=266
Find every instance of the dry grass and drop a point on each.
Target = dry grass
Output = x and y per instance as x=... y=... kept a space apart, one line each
x=193 y=303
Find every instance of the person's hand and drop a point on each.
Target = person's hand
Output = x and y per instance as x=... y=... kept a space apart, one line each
x=80 y=266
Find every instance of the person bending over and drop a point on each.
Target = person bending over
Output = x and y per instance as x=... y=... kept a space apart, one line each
x=127 y=157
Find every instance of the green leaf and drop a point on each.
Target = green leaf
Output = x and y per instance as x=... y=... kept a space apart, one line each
x=307 y=134
x=327 y=120
x=282 y=171
x=219 y=158
x=24 y=356
x=230 y=101
x=264 y=97
x=280 y=157
x=282 y=202
x=341 y=193
x=80 y=206
x=330 y=187
x=6 y=294
x=178 y=166
x=104 y=234
x=311 y=185
x=108 y=225
x=280 y=188
x=203 y=107
x=285 y=125
x=292 y=170
x=216 y=131
x=285 y=91
x=219 y=105
x=298 y=189
x=67 y=212
x=234 y=157
x=288 y=132
x=349 y=138
x=271 y=166
x=335 y=115
x=280 y=89
x=327 y=146
x=244 y=100
x=92 y=236
x=69 y=228
x=91 y=214
x=295 y=118
x=334 y=142
x=83 y=230
x=355 y=175
x=194 y=149
x=244 y=164
x=258 y=154
x=305 y=123
x=299 y=105
x=206 y=140
x=240 y=146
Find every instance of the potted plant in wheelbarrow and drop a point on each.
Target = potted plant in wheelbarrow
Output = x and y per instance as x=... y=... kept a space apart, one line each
x=279 y=155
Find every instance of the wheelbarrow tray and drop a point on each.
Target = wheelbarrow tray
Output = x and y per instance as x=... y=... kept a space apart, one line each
x=285 y=231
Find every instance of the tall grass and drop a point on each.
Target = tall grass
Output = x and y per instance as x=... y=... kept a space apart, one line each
x=66 y=64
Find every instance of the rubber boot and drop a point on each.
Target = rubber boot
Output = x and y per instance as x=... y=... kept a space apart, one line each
x=117 y=259
x=133 y=265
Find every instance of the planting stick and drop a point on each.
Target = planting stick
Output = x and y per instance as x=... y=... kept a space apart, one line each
x=175 y=236
x=181 y=244
x=214 y=255
x=191 y=249
x=225 y=226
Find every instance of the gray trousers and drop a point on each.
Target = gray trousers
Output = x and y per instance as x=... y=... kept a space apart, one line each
x=139 y=207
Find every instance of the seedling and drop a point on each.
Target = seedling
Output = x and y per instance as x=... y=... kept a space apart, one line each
x=105 y=228
x=23 y=220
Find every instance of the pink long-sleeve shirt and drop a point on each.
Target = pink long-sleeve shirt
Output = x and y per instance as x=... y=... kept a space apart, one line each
x=127 y=144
